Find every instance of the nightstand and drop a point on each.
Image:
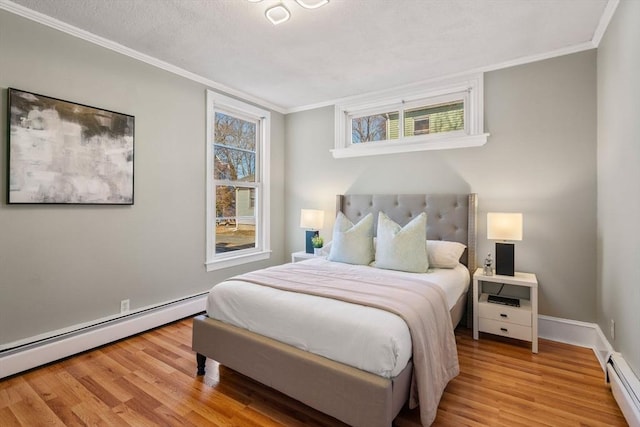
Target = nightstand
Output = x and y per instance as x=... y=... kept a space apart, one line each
x=508 y=321
x=301 y=256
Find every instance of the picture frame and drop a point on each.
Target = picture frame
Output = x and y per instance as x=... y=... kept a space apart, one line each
x=61 y=152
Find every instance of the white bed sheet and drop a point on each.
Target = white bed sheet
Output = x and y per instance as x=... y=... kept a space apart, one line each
x=367 y=338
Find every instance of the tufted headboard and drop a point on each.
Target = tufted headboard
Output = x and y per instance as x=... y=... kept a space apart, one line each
x=450 y=217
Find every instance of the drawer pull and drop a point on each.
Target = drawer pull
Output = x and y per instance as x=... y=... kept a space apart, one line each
x=503 y=315
x=504 y=329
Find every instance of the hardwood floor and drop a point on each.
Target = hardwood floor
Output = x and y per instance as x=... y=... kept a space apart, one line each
x=149 y=380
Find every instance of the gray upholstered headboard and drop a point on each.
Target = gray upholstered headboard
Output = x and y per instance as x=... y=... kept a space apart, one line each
x=449 y=216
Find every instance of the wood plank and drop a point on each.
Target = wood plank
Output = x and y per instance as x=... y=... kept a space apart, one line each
x=149 y=380
x=64 y=412
x=131 y=417
x=31 y=410
x=8 y=419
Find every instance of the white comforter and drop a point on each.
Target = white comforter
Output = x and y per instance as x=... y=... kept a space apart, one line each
x=367 y=338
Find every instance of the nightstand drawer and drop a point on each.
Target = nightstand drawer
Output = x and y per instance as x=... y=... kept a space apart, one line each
x=504 y=313
x=505 y=329
x=506 y=320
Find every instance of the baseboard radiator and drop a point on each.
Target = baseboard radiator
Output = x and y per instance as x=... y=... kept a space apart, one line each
x=625 y=387
x=103 y=331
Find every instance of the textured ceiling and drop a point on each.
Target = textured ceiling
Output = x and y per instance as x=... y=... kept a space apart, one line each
x=345 y=48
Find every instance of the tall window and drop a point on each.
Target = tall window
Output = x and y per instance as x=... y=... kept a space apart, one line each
x=443 y=115
x=237 y=182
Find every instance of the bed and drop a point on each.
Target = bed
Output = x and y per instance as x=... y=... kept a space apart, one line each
x=356 y=396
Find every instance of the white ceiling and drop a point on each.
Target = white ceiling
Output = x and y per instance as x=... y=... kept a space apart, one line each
x=345 y=48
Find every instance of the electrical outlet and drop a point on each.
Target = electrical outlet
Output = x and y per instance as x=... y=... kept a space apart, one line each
x=124 y=306
x=612 y=327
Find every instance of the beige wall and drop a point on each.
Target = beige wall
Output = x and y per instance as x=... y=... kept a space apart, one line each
x=64 y=265
x=619 y=182
x=540 y=160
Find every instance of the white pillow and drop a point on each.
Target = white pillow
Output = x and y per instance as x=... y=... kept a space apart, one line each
x=324 y=250
x=352 y=244
x=402 y=248
x=444 y=254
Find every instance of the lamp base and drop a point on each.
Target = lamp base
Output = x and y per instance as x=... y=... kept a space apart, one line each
x=309 y=236
x=505 y=259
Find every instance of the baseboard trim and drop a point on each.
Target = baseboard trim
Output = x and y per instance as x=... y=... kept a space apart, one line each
x=602 y=348
x=582 y=334
x=32 y=356
x=573 y=332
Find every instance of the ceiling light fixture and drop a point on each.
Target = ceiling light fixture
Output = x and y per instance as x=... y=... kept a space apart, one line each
x=312 y=4
x=277 y=14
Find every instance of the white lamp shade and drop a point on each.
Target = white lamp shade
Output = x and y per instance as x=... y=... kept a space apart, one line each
x=504 y=226
x=311 y=219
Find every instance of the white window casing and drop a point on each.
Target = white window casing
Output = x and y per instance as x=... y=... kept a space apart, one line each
x=468 y=89
x=262 y=118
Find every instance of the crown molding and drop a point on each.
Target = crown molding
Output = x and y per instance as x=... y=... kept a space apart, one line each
x=605 y=19
x=494 y=67
x=24 y=12
x=56 y=24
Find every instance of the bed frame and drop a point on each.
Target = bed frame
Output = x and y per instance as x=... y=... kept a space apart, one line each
x=351 y=395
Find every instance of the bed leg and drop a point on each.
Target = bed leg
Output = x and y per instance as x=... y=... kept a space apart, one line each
x=201 y=361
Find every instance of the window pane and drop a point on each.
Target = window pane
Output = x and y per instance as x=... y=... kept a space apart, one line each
x=377 y=127
x=233 y=164
x=434 y=119
x=234 y=148
x=235 y=218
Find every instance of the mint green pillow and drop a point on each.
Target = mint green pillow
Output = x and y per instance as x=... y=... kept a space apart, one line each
x=352 y=244
x=402 y=248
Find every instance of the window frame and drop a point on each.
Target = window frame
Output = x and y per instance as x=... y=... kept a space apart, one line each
x=421 y=119
x=244 y=111
x=468 y=89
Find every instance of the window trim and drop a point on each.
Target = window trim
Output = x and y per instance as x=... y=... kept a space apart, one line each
x=468 y=88
x=262 y=251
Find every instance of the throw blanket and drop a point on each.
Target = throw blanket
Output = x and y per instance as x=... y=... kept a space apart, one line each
x=422 y=307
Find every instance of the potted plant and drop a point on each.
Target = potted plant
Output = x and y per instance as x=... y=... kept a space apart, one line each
x=317 y=243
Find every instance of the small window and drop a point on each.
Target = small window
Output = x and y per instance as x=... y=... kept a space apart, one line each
x=438 y=117
x=447 y=117
x=375 y=127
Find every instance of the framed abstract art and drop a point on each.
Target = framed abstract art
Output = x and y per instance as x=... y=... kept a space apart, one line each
x=60 y=152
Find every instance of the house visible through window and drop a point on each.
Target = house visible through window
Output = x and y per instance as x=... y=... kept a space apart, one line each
x=237 y=134
x=446 y=115
x=375 y=127
x=234 y=151
x=425 y=119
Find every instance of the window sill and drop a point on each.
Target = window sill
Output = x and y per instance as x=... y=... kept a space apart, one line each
x=373 y=148
x=227 y=262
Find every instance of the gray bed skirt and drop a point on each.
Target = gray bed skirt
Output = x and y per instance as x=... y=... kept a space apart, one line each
x=351 y=395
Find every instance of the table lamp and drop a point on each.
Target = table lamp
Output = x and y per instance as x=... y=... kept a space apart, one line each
x=312 y=220
x=504 y=226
